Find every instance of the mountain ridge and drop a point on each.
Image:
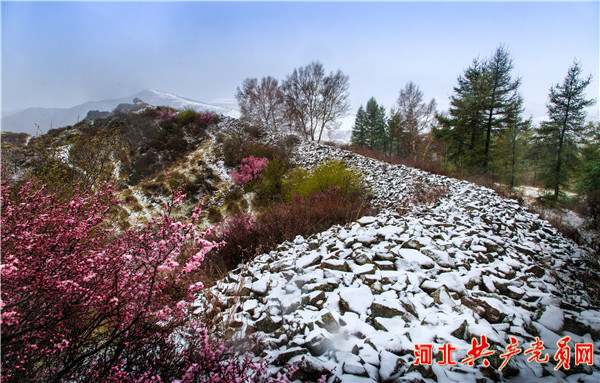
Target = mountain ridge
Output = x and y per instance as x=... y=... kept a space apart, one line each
x=32 y=119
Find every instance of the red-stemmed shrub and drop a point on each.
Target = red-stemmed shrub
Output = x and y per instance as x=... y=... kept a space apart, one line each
x=241 y=242
x=246 y=237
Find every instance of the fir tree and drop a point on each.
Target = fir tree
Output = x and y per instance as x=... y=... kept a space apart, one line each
x=359 y=130
x=565 y=128
x=376 y=126
x=485 y=104
x=461 y=128
x=503 y=102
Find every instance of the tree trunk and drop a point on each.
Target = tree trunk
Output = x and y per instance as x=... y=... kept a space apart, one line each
x=559 y=154
x=512 y=164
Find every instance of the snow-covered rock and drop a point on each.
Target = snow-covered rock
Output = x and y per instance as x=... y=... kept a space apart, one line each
x=472 y=264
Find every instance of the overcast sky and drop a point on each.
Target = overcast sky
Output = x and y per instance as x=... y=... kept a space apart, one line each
x=63 y=54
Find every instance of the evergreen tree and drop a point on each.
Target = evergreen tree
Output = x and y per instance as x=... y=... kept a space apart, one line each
x=460 y=129
x=503 y=103
x=508 y=164
x=565 y=128
x=485 y=104
x=370 y=127
x=396 y=134
x=589 y=176
x=359 y=130
x=376 y=126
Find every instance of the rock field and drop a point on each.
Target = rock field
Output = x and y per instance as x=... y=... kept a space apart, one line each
x=356 y=302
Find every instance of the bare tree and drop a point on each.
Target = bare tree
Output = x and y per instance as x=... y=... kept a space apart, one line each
x=413 y=116
x=261 y=103
x=313 y=101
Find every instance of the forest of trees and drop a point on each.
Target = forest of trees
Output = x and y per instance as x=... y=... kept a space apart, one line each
x=484 y=135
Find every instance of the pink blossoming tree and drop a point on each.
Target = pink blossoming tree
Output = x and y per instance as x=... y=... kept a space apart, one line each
x=250 y=170
x=82 y=302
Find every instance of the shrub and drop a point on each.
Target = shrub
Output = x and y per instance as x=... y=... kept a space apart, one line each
x=143 y=166
x=239 y=236
x=246 y=237
x=233 y=151
x=266 y=151
x=309 y=215
x=250 y=170
x=187 y=116
x=74 y=293
x=291 y=141
x=254 y=131
x=169 y=115
x=327 y=175
x=214 y=216
x=272 y=187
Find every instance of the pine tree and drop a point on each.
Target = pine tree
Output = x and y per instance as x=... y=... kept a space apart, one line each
x=503 y=102
x=485 y=103
x=565 y=128
x=376 y=126
x=359 y=130
x=461 y=128
x=370 y=127
x=396 y=133
x=508 y=164
x=588 y=182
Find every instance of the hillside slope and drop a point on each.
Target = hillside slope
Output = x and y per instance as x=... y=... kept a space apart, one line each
x=26 y=121
x=355 y=301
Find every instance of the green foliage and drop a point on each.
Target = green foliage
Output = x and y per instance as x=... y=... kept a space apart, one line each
x=508 y=165
x=329 y=174
x=272 y=187
x=370 y=127
x=460 y=129
x=187 y=116
x=560 y=136
x=589 y=177
x=359 y=130
x=485 y=104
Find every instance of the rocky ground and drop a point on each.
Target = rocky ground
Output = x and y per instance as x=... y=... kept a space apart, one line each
x=355 y=302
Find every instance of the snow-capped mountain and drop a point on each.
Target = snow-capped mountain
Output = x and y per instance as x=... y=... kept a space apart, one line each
x=28 y=120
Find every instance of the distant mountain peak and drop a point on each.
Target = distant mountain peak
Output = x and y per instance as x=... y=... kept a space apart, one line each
x=28 y=120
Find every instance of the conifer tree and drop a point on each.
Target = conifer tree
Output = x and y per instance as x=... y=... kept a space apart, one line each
x=461 y=128
x=359 y=130
x=396 y=133
x=376 y=126
x=485 y=103
x=565 y=128
x=503 y=103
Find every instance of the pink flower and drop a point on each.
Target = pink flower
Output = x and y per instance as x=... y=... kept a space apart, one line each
x=250 y=170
